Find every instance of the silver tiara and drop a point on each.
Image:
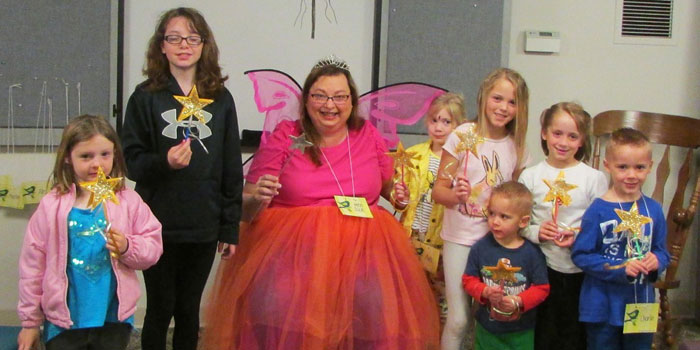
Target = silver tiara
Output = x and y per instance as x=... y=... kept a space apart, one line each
x=332 y=60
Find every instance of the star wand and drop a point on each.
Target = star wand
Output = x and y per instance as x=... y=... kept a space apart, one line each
x=402 y=158
x=469 y=140
x=298 y=143
x=101 y=190
x=632 y=222
x=558 y=195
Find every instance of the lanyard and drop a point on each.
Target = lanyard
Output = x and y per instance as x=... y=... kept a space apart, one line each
x=651 y=233
x=352 y=175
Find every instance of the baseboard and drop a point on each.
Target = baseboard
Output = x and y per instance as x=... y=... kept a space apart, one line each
x=10 y=318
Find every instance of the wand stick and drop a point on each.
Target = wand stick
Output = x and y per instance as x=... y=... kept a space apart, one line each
x=108 y=230
x=299 y=143
x=463 y=206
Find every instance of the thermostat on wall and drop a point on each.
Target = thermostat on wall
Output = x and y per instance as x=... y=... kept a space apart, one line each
x=537 y=41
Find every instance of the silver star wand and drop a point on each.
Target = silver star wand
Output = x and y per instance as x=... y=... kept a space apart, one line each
x=298 y=143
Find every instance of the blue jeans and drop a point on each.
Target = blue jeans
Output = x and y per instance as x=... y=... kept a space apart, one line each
x=602 y=336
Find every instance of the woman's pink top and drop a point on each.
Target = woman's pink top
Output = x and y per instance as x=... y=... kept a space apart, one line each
x=305 y=184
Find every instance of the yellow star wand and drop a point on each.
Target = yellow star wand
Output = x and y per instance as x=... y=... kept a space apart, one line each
x=192 y=106
x=632 y=221
x=403 y=158
x=469 y=140
x=101 y=190
x=557 y=194
x=503 y=271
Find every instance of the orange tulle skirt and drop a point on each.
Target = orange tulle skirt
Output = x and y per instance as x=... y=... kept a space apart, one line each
x=311 y=278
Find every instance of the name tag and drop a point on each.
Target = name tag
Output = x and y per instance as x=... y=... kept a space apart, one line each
x=353 y=206
x=641 y=318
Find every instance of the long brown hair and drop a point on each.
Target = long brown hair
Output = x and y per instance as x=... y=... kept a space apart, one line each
x=354 y=122
x=208 y=75
x=81 y=129
x=583 y=124
x=517 y=128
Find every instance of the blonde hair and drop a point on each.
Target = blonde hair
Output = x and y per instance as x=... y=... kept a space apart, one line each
x=453 y=103
x=517 y=128
x=583 y=124
x=517 y=194
x=81 y=129
x=627 y=136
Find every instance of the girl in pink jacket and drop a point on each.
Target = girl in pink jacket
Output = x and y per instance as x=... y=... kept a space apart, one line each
x=77 y=265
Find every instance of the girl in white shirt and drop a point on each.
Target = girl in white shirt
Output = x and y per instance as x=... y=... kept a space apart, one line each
x=566 y=143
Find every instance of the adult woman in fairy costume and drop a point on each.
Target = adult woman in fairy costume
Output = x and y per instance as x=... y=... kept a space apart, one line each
x=305 y=276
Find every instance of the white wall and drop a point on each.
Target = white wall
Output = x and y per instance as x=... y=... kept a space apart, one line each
x=601 y=75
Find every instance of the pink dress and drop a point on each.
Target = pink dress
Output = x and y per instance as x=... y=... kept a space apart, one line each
x=304 y=276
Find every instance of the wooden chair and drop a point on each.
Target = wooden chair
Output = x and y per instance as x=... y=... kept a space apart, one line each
x=669 y=130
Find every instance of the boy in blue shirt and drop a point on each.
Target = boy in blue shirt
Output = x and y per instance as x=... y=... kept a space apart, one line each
x=506 y=273
x=621 y=247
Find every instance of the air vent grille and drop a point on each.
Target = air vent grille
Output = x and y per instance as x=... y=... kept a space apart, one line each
x=647 y=18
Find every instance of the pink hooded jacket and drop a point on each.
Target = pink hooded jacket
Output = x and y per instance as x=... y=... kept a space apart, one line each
x=43 y=283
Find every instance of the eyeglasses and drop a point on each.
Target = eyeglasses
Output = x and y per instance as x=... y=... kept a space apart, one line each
x=322 y=99
x=191 y=40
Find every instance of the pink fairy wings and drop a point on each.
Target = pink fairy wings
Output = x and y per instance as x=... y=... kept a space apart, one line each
x=402 y=103
x=278 y=96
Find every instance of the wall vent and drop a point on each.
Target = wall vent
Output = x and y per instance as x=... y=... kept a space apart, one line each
x=647 y=18
x=645 y=22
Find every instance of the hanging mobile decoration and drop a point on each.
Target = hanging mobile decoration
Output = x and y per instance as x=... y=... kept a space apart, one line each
x=101 y=190
x=302 y=11
x=77 y=86
x=65 y=88
x=558 y=195
x=11 y=118
x=41 y=111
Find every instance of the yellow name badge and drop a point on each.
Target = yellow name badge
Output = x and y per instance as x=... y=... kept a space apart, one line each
x=428 y=256
x=641 y=318
x=353 y=206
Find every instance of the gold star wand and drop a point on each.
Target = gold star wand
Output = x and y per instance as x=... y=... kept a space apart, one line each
x=558 y=194
x=469 y=140
x=402 y=158
x=101 y=190
x=503 y=271
x=192 y=106
x=632 y=221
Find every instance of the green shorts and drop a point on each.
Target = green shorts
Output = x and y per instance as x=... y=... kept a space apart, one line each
x=523 y=340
